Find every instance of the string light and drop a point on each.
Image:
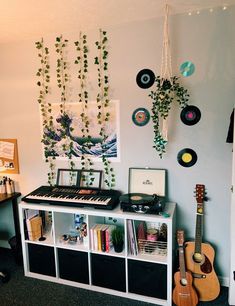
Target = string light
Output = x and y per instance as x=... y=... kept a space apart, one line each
x=211 y=10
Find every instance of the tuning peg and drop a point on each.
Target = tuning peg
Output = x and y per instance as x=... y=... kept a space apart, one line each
x=206 y=199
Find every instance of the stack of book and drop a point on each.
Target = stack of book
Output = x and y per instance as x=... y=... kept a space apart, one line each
x=101 y=237
x=35 y=223
x=34 y=227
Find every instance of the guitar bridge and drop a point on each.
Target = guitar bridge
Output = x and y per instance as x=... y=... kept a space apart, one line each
x=197 y=275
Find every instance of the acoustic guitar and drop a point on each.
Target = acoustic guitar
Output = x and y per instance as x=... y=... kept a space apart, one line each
x=184 y=293
x=200 y=256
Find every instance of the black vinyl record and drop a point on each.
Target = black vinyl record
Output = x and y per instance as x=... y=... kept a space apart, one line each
x=187 y=157
x=141 y=116
x=190 y=115
x=145 y=78
x=136 y=198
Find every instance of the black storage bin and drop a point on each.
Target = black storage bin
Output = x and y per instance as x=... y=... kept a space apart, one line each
x=147 y=278
x=41 y=259
x=73 y=265
x=108 y=272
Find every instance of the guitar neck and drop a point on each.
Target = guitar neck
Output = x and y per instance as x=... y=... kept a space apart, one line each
x=199 y=229
x=182 y=263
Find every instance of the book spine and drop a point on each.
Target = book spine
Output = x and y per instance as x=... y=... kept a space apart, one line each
x=103 y=240
x=99 y=239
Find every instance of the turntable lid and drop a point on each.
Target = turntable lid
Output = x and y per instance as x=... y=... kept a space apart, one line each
x=147 y=180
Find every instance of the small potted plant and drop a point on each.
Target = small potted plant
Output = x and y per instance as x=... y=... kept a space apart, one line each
x=117 y=239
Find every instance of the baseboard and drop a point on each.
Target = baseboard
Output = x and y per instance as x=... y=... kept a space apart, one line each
x=224 y=281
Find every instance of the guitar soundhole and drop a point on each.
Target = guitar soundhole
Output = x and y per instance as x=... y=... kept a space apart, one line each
x=206 y=267
x=197 y=257
x=205 y=264
x=184 y=282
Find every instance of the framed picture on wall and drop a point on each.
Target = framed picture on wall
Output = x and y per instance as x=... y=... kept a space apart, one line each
x=9 y=162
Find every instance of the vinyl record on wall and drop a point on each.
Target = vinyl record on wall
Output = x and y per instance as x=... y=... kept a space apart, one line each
x=187 y=157
x=187 y=68
x=145 y=78
x=190 y=115
x=141 y=116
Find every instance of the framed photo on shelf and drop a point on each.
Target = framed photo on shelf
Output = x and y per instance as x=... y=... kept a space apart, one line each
x=68 y=177
x=91 y=178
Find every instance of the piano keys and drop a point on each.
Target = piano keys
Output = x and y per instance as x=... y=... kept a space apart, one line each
x=74 y=196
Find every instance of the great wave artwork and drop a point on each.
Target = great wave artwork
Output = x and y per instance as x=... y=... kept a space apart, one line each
x=67 y=128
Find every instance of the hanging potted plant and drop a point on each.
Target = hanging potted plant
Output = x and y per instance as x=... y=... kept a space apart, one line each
x=167 y=91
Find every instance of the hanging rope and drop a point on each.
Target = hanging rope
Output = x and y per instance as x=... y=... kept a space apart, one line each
x=166 y=66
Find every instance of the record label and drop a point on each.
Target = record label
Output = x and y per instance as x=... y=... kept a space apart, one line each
x=145 y=78
x=187 y=157
x=187 y=69
x=141 y=116
x=190 y=115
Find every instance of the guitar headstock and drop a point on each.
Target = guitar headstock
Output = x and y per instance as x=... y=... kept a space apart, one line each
x=180 y=238
x=200 y=197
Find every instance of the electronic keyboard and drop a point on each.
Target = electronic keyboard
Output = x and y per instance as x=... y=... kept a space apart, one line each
x=74 y=196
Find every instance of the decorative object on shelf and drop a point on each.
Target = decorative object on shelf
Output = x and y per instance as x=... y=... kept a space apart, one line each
x=82 y=62
x=167 y=91
x=190 y=115
x=103 y=103
x=145 y=78
x=187 y=68
x=140 y=116
x=117 y=235
x=45 y=108
x=187 y=157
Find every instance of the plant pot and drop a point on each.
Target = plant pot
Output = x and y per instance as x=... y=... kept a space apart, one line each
x=118 y=247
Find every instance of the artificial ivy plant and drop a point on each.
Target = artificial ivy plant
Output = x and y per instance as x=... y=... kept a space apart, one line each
x=43 y=74
x=103 y=102
x=62 y=82
x=82 y=62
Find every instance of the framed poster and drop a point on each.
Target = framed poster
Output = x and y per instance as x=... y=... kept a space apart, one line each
x=68 y=127
x=9 y=162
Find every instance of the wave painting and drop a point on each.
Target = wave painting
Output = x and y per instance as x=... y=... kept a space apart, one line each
x=67 y=128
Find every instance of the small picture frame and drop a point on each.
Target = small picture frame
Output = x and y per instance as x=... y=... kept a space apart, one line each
x=90 y=179
x=68 y=177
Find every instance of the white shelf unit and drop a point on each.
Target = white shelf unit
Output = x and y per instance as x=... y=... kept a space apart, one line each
x=146 y=276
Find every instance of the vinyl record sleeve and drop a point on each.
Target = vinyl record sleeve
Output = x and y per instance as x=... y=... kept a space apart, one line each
x=147 y=180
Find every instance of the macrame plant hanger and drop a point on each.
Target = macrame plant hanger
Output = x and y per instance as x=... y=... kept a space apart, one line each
x=166 y=68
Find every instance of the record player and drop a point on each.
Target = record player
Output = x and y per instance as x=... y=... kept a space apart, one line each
x=146 y=191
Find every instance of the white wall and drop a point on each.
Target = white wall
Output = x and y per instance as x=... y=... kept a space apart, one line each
x=208 y=41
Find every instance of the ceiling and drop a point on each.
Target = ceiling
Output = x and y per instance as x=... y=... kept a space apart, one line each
x=25 y=19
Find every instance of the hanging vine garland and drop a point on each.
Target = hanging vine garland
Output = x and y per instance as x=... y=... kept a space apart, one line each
x=62 y=83
x=82 y=61
x=167 y=90
x=103 y=104
x=48 y=138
